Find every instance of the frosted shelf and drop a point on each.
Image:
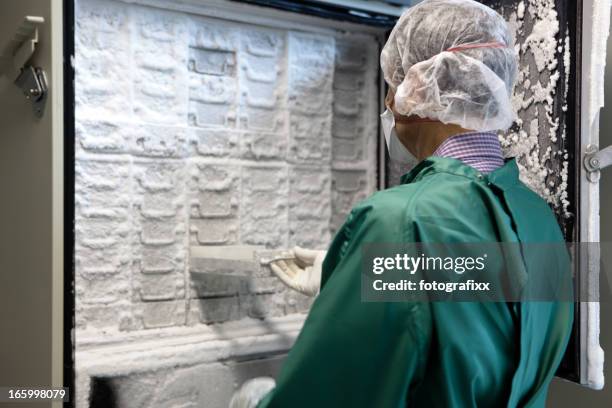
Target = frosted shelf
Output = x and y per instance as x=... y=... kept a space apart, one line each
x=230 y=252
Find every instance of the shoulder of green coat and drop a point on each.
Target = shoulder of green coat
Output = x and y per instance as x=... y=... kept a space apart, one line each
x=540 y=223
x=397 y=200
x=386 y=208
x=387 y=215
x=427 y=196
x=529 y=196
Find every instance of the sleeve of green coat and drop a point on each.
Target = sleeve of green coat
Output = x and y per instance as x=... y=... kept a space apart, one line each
x=349 y=352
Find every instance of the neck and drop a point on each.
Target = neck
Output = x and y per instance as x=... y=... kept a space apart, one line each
x=422 y=139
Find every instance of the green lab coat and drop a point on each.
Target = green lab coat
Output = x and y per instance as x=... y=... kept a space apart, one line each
x=352 y=353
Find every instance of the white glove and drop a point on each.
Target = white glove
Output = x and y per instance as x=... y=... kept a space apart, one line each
x=300 y=270
x=251 y=392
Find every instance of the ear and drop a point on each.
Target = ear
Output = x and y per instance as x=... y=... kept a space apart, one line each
x=389 y=98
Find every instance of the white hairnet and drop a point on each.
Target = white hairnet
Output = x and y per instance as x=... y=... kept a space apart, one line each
x=453 y=61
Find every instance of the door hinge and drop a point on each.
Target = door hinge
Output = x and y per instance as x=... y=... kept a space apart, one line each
x=33 y=83
x=595 y=160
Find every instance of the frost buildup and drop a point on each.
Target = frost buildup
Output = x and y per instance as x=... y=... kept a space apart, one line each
x=538 y=138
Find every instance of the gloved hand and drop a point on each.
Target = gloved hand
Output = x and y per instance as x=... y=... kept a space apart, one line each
x=300 y=270
x=251 y=392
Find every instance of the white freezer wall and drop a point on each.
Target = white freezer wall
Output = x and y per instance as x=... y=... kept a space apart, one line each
x=201 y=131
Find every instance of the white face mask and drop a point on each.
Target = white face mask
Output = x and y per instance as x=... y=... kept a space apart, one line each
x=397 y=151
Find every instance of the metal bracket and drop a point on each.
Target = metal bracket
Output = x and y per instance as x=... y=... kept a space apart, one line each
x=16 y=52
x=595 y=160
x=33 y=83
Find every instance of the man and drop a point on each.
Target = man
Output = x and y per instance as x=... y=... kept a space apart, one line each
x=450 y=67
